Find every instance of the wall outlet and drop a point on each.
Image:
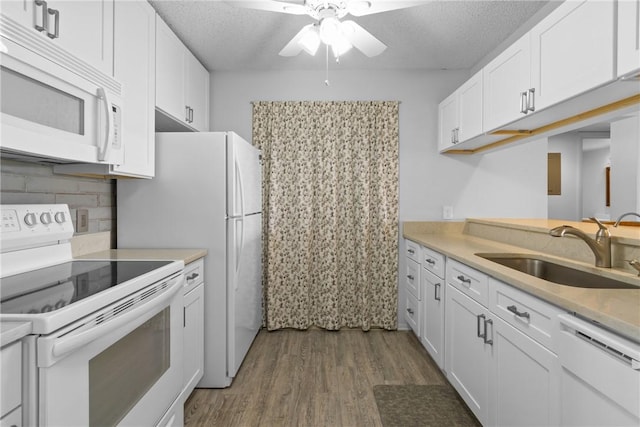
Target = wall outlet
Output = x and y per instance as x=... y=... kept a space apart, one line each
x=447 y=212
x=82 y=220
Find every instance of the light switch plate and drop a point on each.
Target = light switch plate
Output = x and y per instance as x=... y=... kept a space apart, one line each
x=82 y=220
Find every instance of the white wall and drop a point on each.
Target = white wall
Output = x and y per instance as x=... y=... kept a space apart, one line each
x=594 y=162
x=568 y=205
x=506 y=183
x=625 y=167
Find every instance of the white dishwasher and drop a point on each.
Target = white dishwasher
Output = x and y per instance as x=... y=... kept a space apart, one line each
x=600 y=376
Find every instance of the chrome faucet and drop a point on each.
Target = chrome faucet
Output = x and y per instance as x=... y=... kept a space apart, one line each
x=601 y=245
x=623 y=215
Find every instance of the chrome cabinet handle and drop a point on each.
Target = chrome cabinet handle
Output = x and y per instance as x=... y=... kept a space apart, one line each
x=464 y=279
x=193 y=276
x=56 y=24
x=45 y=19
x=480 y=319
x=531 y=100
x=523 y=102
x=436 y=294
x=410 y=277
x=190 y=115
x=457 y=135
x=430 y=261
x=486 y=339
x=411 y=251
x=410 y=311
x=514 y=310
x=186 y=116
x=453 y=137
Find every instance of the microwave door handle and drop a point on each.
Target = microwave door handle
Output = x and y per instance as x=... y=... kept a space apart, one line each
x=104 y=152
x=67 y=344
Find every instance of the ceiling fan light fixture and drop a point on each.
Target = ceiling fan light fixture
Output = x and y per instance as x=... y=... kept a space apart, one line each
x=340 y=46
x=310 y=41
x=330 y=30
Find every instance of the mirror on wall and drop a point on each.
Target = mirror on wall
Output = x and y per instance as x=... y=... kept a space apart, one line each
x=599 y=171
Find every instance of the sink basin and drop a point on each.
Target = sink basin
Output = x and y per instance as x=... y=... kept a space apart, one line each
x=555 y=273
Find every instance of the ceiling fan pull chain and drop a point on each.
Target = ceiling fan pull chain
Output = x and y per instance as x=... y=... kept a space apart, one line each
x=326 y=57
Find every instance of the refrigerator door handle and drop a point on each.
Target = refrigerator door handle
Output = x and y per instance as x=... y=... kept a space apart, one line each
x=241 y=187
x=239 y=248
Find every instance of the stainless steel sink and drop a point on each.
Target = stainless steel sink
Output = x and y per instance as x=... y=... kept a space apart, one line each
x=555 y=273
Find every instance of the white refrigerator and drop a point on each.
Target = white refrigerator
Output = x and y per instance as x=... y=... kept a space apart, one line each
x=207 y=193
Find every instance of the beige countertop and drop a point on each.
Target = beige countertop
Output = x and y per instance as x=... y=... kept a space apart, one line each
x=185 y=255
x=616 y=309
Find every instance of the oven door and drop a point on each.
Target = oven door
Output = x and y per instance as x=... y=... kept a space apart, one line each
x=120 y=366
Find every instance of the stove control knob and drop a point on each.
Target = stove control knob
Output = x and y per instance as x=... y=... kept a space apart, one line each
x=59 y=217
x=45 y=218
x=30 y=219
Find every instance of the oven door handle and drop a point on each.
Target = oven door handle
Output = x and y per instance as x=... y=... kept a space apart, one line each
x=67 y=344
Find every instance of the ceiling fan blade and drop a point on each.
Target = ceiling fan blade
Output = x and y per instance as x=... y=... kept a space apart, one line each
x=294 y=46
x=292 y=8
x=362 y=8
x=362 y=39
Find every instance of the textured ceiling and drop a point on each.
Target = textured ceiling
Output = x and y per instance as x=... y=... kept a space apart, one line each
x=434 y=35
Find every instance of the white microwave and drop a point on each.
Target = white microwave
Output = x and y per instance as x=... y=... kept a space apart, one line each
x=55 y=107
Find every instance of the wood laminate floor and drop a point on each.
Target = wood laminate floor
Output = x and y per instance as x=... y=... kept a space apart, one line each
x=313 y=378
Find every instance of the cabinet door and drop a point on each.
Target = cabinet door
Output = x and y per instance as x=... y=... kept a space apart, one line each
x=447 y=121
x=470 y=108
x=467 y=355
x=86 y=30
x=628 y=36
x=25 y=12
x=572 y=50
x=413 y=314
x=193 y=339
x=433 y=316
x=504 y=80
x=170 y=72
x=197 y=92
x=134 y=67
x=524 y=386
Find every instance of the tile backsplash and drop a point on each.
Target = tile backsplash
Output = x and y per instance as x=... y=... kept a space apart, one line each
x=27 y=183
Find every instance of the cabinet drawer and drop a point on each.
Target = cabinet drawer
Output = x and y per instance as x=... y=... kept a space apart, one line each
x=413 y=278
x=531 y=315
x=14 y=419
x=11 y=364
x=433 y=261
x=193 y=274
x=412 y=314
x=469 y=281
x=413 y=250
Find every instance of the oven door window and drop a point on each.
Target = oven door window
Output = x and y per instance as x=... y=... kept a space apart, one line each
x=121 y=375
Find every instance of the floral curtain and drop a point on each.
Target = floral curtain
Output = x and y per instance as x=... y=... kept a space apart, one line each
x=330 y=194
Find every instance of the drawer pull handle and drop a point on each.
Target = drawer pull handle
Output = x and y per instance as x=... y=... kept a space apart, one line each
x=464 y=279
x=410 y=311
x=430 y=261
x=514 y=310
x=410 y=277
x=481 y=319
x=436 y=295
x=193 y=276
x=411 y=251
x=486 y=339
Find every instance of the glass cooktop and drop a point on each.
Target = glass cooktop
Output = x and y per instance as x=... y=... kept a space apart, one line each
x=52 y=288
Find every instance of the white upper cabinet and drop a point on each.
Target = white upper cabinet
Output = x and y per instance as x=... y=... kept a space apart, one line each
x=628 y=37
x=572 y=50
x=447 y=121
x=506 y=81
x=134 y=67
x=82 y=28
x=460 y=114
x=182 y=83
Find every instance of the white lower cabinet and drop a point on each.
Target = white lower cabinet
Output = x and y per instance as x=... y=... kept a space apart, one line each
x=11 y=388
x=523 y=380
x=193 y=338
x=432 y=337
x=467 y=354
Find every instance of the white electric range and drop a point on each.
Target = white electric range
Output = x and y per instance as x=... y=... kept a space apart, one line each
x=105 y=347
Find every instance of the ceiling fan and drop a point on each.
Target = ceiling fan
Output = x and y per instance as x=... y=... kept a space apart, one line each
x=329 y=29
